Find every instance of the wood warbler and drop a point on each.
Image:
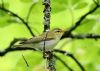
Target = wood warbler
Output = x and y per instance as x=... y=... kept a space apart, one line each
x=50 y=38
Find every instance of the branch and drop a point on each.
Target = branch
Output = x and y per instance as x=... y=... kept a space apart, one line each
x=25 y=61
x=7 y=50
x=10 y=48
x=96 y=2
x=48 y=54
x=21 y=19
x=50 y=58
x=63 y=62
x=46 y=12
x=83 y=36
x=70 y=55
x=78 y=23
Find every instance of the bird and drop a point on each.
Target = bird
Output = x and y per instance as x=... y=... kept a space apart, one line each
x=50 y=38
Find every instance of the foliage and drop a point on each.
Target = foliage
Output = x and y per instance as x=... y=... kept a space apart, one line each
x=63 y=15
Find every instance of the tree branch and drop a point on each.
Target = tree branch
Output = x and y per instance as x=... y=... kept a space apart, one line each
x=70 y=55
x=78 y=23
x=11 y=48
x=7 y=50
x=46 y=12
x=46 y=53
x=21 y=19
x=96 y=2
x=83 y=36
x=58 y=58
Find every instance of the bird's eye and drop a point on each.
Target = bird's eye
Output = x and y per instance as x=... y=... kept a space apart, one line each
x=58 y=31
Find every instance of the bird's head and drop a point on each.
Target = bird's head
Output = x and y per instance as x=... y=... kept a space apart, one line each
x=58 y=32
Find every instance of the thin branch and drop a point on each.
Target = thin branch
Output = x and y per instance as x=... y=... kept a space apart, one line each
x=77 y=24
x=83 y=36
x=96 y=2
x=58 y=58
x=25 y=61
x=10 y=48
x=21 y=19
x=7 y=50
x=70 y=55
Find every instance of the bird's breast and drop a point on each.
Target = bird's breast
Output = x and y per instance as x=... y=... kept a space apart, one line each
x=48 y=44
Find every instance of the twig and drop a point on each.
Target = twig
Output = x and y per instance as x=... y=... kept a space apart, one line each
x=96 y=2
x=25 y=60
x=83 y=36
x=21 y=19
x=77 y=24
x=63 y=62
x=70 y=55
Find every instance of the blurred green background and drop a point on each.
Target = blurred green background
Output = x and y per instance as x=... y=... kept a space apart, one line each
x=64 y=14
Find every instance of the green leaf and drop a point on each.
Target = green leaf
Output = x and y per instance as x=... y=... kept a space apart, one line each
x=73 y=2
x=81 y=5
x=58 y=5
x=6 y=5
x=86 y=26
x=26 y=1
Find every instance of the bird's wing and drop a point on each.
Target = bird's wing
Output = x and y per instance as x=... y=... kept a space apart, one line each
x=36 y=39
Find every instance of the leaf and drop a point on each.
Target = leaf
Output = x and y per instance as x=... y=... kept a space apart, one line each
x=73 y=2
x=97 y=12
x=6 y=5
x=2 y=13
x=58 y=5
x=86 y=26
x=81 y=5
x=6 y=19
x=26 y=1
